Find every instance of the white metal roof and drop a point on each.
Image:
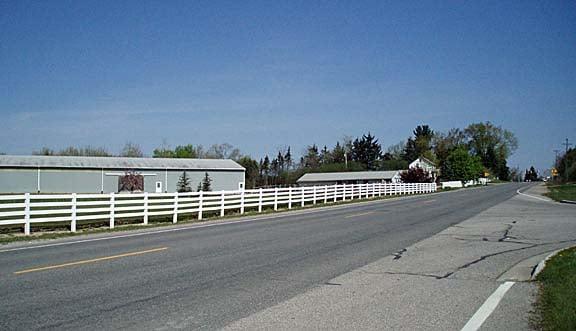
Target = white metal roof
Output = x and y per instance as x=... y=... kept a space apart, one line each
x=342 y=176
x=91 y=162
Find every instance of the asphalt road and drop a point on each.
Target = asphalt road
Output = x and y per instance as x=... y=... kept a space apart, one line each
x=208 y=277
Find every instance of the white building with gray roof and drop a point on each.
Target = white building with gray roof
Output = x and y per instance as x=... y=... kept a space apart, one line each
x=356 y=177
x=83 y=174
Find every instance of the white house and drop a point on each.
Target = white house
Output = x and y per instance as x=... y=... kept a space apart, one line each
x=424 y=163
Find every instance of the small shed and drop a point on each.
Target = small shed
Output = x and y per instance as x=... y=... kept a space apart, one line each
x=356 y=177
x=82 y=174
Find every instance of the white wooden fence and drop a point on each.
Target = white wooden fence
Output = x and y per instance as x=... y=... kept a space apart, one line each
x=26 y=209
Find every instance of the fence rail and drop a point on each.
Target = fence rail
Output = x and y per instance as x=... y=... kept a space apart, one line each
x=26 y=209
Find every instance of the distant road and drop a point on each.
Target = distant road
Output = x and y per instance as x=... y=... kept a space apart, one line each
x=208 y=277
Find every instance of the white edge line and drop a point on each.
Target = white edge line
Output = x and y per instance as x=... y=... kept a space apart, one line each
x=531 y=196
x=192 y=227
x=487 y=308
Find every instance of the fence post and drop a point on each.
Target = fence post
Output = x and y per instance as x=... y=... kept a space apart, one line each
x=314 y=195
x=222 y=203
x=242 y=202
x=290 y=197
x=302 y=193
x=73 y=223
x=27 y=214
x=112 y=210
x=275 y=198
x=175 y=216
x=335 y=191
x=260 y=201
x=344 y=191
x=145 y=208
x=325 y=194
x=200 y=202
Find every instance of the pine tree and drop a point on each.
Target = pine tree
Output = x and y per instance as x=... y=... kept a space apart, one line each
x=266 y=169
x=338 y=153
x=184 y=183
x=206 y=183
x=288 y=159
x=367 y=151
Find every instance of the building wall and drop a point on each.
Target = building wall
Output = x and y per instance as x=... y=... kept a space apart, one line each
x=91 y=180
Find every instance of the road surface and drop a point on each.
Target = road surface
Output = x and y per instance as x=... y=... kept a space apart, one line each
x=209 y=277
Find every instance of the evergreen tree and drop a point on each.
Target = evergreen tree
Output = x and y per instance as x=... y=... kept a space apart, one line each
x=206 y=183
x=420 y=145
x=280 y=159
x=184 y=183
x=312 y=159
x=367 y=151
x=338 y=153
x=266 y=169
x=288 y=159
x=325 y=156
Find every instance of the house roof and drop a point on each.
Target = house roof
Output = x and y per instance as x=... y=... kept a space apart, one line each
x=423 y=160
x=91 y=162
x=341 y=176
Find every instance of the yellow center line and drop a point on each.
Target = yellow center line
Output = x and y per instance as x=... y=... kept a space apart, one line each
x=362 y=214
x=429 y=201
x=69 y=264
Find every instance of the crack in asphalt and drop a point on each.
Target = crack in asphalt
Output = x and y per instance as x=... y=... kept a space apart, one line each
x=398 y=255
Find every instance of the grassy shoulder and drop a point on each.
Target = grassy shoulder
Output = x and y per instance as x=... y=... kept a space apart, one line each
x=562 y=192
x=557 y=303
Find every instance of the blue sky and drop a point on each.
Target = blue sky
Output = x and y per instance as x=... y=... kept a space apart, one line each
x=263 y=75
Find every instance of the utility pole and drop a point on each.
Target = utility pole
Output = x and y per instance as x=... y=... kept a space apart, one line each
x=566 y=145
x=557 y=151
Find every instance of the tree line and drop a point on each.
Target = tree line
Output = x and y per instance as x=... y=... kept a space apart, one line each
x=459 y=154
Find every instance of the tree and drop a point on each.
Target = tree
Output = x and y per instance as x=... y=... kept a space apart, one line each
x=44 y=151
x=184 y=183
x=567 y=166
x=75 y=151
x=492 y=144
x=462 y=166
x=445 y=143
x=420 y=145
x=416 y=175
x=288 y=159
x=367 y=151
x=131 y=150
x=251 y=167
x=311 y=160
x=186 y=152
x=531 y=175
x=131 y=182
x=338 y=154
x=325 y=156
x=393 y=164
x=162 y=152
x=206 y=184
x=223 y=151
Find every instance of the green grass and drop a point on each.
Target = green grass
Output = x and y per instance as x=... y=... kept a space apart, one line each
x=557 y=303
x=562 y=192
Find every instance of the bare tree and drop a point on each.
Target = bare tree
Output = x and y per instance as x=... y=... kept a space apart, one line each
x=131 y=150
